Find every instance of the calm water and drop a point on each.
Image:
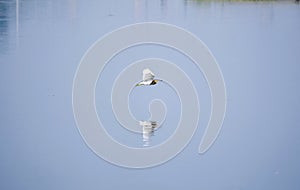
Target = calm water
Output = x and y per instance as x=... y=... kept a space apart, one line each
x=255 y=43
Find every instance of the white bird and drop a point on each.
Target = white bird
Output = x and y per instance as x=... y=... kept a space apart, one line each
x=148 y=78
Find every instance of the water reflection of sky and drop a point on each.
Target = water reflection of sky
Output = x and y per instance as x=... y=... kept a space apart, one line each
x=255 y=43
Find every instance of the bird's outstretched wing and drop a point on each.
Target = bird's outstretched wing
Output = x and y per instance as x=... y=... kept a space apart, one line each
x=147 y=75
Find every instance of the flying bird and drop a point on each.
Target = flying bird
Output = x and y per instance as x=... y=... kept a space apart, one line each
x=148 y=78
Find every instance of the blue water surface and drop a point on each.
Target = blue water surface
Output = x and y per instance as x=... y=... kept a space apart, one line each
x=255 y=43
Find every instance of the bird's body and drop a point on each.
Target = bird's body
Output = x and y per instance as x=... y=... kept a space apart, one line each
x=148 y=78
x=147 y=82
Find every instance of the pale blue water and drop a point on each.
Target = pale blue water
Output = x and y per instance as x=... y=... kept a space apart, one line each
x=255 y=43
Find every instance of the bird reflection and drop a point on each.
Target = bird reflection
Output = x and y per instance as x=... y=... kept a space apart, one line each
x=148 y=130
